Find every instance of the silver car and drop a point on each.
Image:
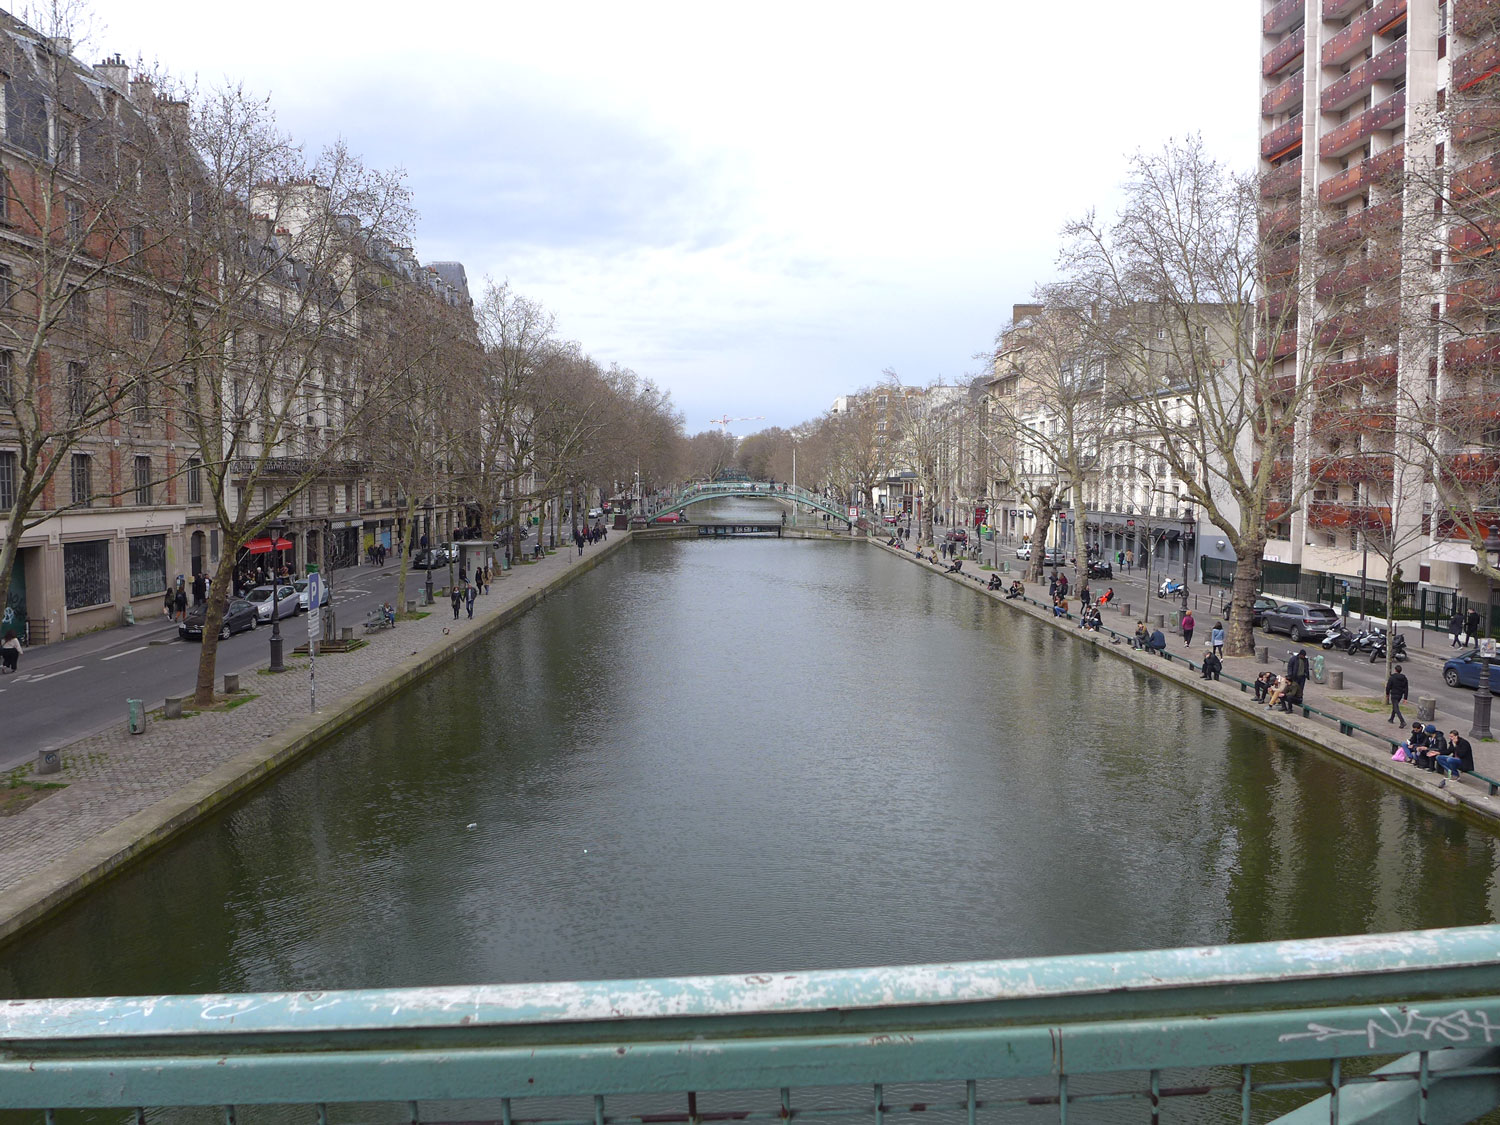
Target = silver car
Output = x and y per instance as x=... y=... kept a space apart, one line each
x=286 y=602
x=301 y=587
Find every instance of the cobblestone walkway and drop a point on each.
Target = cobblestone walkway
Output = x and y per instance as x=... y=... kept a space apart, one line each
x=113 y=775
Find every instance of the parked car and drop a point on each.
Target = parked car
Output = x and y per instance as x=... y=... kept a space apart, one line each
x=1101 y=570
x=892 y=518
x=430 y=559
x=239 y=615
x=1024 y=551
x=286 y=601
x=1300 y=620
x=670 y=517
x=1258 y=610
x=1463 y=671
x=596 y=513
x=301 y=587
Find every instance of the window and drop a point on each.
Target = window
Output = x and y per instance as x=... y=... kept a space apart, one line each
x=75 y=220
x=4 y=197
x=83 y=480
x=6 y=278
x=194 y=481
x=7 y=378
x=78 y=388
x=140 y=327
x=78 y=307
x=148 y=564
x=67 y=144
x=8 y=464
x=86 y=573
x=143 y=481
x=138 y=239
x=142 y=402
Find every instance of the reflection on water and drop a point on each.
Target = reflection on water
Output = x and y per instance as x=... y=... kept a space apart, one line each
x=758 y=754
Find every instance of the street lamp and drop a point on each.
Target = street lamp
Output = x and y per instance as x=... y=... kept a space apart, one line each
x=427 y=535
x=1482 y=697
x=276 y=661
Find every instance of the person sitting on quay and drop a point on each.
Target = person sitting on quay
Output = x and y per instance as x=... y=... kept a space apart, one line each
x=1212 y=666
x=1017 y=590
x=994 y=583
x=1263 y=685
x=1276 y=694
x=1426 y=746
x=1059 y=606
x=1158 y=642
x=1458 y=760
x=958 y=565
x=1142 y=638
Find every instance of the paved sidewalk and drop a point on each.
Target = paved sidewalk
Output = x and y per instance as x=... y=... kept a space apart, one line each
x=120 y=786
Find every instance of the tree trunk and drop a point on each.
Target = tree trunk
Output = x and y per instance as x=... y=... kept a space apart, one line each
x=218 y=601
x=1035 y=569
x=403 y=541
x=1239 y=634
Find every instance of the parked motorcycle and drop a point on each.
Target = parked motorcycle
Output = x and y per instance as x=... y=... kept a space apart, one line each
x=1377 y=651
x=1364 y=640
x=1340 y=637
x=1171 y=588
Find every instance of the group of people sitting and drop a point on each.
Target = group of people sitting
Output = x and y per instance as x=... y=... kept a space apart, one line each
x=1427 y=749
x=1090 y=618
x=1152 y=640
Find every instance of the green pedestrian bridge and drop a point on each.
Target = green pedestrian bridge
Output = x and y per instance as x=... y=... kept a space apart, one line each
x=789 y=496
x=1393 y=1027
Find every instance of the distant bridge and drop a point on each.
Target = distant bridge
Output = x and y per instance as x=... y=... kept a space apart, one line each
x=866 y=519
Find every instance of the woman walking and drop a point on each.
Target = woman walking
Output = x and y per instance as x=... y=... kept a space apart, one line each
x=1188 y=625
x=10 y=652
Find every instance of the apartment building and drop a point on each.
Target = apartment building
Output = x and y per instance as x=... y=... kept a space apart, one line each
x=1378 y=157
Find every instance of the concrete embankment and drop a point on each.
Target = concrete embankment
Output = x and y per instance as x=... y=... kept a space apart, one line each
x=127 y=795
x=1468 y=795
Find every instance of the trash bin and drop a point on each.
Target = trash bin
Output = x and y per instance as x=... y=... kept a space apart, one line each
x=1317 y=668
x=128 y=614
x=136 y=712
x=505 y=562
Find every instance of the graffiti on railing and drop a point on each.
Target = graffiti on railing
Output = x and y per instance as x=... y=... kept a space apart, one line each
x=1463 y=1026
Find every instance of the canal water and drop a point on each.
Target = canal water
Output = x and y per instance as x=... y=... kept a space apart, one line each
x=709 y=757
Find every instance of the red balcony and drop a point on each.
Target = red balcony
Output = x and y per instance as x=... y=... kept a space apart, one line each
x=1283 y=220
x=1381 y=19
x=1473 y=67
x=1358 y=275
x=1470 y=412
x=1358 y=517
x=1286 y=344
x=1281 y=56
x=1475 y=124
x=1474 y=236
x=1383 y=167
x=1479 y=296
x=1277 y=510
x=1374 y=371
x=1474 y=19
x=1338 y=9
x=1351 y=87
x=1286 y=96
x=1473 y=468
x=1283 y=262
x=1282 y=180
x=1385 y=218
x=1352 y=133
x=1476 y=179
x=1473 y=352
x=1361 y=468
x=1282 y=16
x=1282 y=141
x=1345 y=329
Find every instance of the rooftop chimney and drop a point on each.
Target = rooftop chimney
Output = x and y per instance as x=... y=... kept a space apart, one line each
x=114 y=71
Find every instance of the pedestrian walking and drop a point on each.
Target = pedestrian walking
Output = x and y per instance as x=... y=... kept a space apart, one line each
x=456 y=596
x=1471 y=626
x=1129 y=559
x=200 y=588
x=1396 y=689
x=10 y=652
x=1455 y=629
x=179 y=599
x=1188 y=625
x=168 y=601
x=469 y=593
x=1216 y=639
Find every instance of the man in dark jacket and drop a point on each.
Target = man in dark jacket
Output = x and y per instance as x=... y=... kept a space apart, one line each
x=1297 y=671
x=1396 y=689
x=1460 y=757
x=1471 y=626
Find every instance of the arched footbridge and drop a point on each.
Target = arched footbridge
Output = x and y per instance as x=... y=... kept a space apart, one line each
x=785 y=494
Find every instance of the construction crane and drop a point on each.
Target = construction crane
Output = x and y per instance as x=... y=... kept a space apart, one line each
x=724 y=421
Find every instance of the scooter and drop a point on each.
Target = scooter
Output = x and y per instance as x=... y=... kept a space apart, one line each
x=1398 y=652
x=1338 y=637
x=1171 y=588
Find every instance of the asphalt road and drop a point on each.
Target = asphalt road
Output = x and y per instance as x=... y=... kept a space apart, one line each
x=72 y=689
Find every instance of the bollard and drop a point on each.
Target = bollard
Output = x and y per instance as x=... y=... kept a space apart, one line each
x=1335 y=679
x=1426 y=709
x=48 y=761
x=135 y=716
x=1263 y=655
x=231 y=683
x=173 y=707
x=1124 y=608
x=411 y=605
x=1161 y=620
x=346 y=633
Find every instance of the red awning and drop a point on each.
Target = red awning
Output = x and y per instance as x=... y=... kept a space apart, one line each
x=264 y=546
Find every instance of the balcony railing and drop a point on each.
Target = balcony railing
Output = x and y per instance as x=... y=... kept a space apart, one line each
x=1359 y=468
x=1479 y=178
x=1241 y=1033
x=1283 y=180
x=1352 y=86
x=1359 y=517
x=1473 y=67
x=1282 y=16
x=1338 y=9
x=1369 y=223
x=1281 y=56
x=1285 y=96
x=1387 y=115
x=1476 y=297
x=1376 y=370
x=1381 y=19
x=1285 y=345
x=1476 y=123
x=1282 y=141
x=1283 y=262
x=1359 y=274
x=1475 y=18
x=1348 y=328
x=1383 y=167
x=1474 y=236
x=1473 y=352
x=1283 y=220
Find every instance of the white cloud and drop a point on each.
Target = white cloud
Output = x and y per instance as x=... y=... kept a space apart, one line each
x=758 y=206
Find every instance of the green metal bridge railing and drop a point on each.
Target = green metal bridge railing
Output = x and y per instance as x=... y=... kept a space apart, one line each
x=1394 y=1027
x=867 y=519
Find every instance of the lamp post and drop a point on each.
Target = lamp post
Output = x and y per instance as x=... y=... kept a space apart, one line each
x=1482 y=696
x=427 y=592
x=276 y=661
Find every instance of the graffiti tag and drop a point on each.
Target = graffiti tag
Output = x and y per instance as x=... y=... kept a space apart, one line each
x=1462 y=1026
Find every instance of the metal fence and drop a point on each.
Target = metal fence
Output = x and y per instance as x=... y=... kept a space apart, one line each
x=1389 y=1027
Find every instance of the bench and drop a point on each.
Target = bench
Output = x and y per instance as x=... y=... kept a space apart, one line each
x=377 y=621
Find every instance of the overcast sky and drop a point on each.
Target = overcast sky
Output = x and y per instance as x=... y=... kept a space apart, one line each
x=760 y=207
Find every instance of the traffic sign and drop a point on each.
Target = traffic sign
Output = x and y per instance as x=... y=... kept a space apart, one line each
x=314 y=603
